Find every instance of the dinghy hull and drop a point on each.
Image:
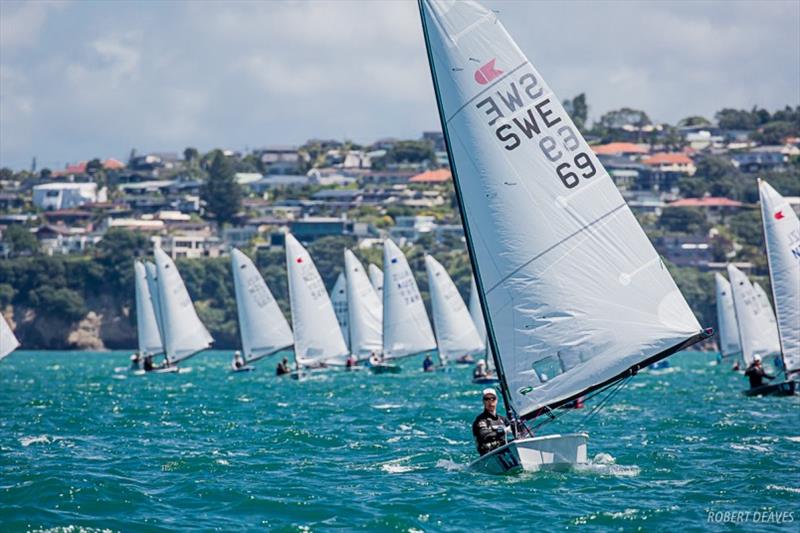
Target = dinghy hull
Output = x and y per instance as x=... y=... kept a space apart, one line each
x=551 y=452
x=485 y=381
x=787 y=388
x=385 y=369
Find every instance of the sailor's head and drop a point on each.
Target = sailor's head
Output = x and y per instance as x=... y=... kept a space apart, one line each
x=134 y=357
x=285 y=360
x=757 y=359
x=237 y=354
x=489 y=396
x=481 y=363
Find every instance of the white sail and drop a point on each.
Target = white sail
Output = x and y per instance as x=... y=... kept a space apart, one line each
x=749 y=316
x=339 y=301
x=782 y=236
x=317 y=337
x=262 y=326
x=769 y=325
x=8 y=341
x=184 y=333
x=406 y=328
x=152 y=285
x=476 y=312
x=576 y=294
x=147 y=330
x=376 y=278
x=364 y=308
x=455 y=331
x=728 y=329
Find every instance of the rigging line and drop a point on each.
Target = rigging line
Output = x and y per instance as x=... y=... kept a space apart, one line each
x=619 y=386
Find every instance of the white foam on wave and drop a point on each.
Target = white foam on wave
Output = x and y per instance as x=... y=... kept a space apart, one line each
x=781 y=488
x=606 y=465
x=40 y=439
x=794 y=439
x=394 y=468
x=387 y=405
x=751 y=448
x=449 y=465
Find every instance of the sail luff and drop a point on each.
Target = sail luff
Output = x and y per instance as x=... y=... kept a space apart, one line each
x=729 y=343
x=152 y=284
x=147 y=331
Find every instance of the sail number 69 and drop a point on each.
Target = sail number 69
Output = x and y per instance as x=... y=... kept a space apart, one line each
x=570 y=178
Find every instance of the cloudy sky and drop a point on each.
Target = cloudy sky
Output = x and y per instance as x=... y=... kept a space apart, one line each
x=91 y=79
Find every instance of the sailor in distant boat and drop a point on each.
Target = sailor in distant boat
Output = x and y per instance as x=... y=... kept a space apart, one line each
x=489 y=428
x=352 y=362
x=148 y=363
x=238 y=360
x=427 y=364
x=135 y=360
x=283 y=368
x=480 y=370
x=756 y=373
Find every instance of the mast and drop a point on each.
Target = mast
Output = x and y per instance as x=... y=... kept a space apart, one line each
x=498 y=364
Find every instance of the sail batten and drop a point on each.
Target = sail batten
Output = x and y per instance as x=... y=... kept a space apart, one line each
x=262 y=326
x=551 y=239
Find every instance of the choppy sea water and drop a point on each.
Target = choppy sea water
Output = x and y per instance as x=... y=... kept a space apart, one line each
x=85 y=447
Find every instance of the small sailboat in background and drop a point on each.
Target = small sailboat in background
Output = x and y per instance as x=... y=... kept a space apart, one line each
x=483 y=374
x=262 y=326
x=365 y=315
x=183 y=334
x=339 y=301
x=576 y=298
x=782 y=238
x=728 y=328
x=455 y=331
x=8 y=341
x=318 y=340
x=148 y=331
x=406 y=328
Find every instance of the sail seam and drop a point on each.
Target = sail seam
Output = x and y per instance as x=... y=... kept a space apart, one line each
x=557 y=244
x=487 y=89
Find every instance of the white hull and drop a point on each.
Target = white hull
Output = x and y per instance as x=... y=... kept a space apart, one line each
x=551 y=452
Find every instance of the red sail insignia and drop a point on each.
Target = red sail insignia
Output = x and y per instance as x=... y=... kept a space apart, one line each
x=487 y=73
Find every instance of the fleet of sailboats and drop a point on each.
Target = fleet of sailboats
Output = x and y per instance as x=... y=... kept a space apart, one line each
x=576 y=297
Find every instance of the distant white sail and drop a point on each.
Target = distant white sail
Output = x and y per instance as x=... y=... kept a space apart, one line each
x=184 y=333
x=152 y=285
x=476 y=312
x=262 y=326
x=8 y=341
x=406 y=328
x=317 y=337
x=376 y=278
x=749 y=316
x=148 y=334
x=339 y=301
x=782 y=236
x=365 y=310
x=769 y=324
x=726 y=318
x=455 y=331
x=576 y=293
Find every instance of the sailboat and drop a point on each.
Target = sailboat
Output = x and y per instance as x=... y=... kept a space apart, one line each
x=262 y=326
x=183 y=333
x=406 y=328
x=147 y=328
x=455 y=331
x=754 y=337
x=8 y=341
x=729 y=346
x=782 y=238
x=318 y=340
x=476 y=311
x=339 y=301
x=376 y=278
x=365 y=316
x=576 y=298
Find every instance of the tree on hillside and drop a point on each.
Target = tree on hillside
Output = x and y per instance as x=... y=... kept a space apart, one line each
x=21 y=241
x=578 y=109
x=190 y=155
x=694 y=120
x=614 y=120
x=221 y=194
x=116 y=252
x=684 y=220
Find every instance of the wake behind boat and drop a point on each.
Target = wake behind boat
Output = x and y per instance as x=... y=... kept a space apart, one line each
x=575 y=296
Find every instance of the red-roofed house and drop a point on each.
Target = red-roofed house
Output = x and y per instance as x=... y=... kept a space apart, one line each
x=623 y=149
x=716 y=208
x=113 y=164
x=441 y=175
x=668 y=168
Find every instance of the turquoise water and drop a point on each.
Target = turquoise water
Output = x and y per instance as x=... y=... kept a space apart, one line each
x=83 y=446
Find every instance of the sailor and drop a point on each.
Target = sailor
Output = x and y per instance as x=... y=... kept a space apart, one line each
x=755 y=373
x=135 y=361
x=238 y=361
x=489 y=428
x=148 y=363
x=351 y=362
x=480 y=370
x=283 y=367
x=427 y=364
x=373 y=359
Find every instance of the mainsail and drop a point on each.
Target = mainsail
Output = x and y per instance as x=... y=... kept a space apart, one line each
x=576 y=296
x=728 y=329
x=376 y=278
x=152 y=285
x=364 y=308
x=749 y=315
x=476 y=311
x=406 y=328
x=184 y=333
x=317 y=337
x=262 y=326
x=147 y=330
x=339 y=301
x=782 y=236
x=768 y=323
x=455 y=331
x=8 y=341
